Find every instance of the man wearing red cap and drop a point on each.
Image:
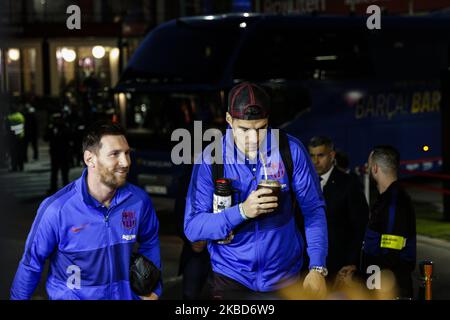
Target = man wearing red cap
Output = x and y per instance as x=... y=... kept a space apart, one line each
x=265 y=253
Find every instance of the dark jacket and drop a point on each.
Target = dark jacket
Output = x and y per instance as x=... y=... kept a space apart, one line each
x=347 y=216
x=59 y=136
x=403 y=223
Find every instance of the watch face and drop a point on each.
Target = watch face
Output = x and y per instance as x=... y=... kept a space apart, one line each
x=323 y=271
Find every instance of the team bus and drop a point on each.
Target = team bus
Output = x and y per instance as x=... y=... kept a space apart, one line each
x=326 y=75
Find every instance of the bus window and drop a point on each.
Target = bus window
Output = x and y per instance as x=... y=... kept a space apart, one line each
x=412 y=55
x=302 y=54
x=185 y=54
x=152 y=117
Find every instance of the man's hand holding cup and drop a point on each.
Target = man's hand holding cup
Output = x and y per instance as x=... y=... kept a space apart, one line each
x=263 y=200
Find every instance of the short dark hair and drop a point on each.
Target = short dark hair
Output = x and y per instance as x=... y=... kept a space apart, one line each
x=342 y=160
x=318 y=141
x=387 y=157
x=95 y=132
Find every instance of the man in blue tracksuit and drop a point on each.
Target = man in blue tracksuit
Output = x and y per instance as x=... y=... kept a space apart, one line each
x=266 y=253
x=87 y=230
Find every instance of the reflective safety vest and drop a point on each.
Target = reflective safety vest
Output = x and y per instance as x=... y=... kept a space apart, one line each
x=17 y=124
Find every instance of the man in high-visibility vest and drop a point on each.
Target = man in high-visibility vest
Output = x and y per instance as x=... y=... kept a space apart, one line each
x=16 y=127
x=390 y=239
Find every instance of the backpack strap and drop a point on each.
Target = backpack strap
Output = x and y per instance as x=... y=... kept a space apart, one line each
x=217 y=171
x=286 y=156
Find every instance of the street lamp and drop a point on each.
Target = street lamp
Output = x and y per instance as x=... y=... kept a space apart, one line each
x=114 y=54
x=14 y=54
x=68 y=55
x=98 y=52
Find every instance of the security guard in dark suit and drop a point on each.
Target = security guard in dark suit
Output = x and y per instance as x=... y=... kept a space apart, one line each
x=347 y=209
x=390 y=239
x=60 y=138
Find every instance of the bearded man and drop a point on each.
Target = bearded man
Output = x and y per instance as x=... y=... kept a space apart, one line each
x=88 y=229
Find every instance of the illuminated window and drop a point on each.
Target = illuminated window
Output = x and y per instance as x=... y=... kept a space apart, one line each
x=29 y=70
x=2 y=73
x=86 y=74
x=12 y=58
x=65 y=61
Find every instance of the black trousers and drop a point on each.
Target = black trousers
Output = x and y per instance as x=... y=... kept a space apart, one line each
x=225 y=288
x=405 y=284
x=196 y=268
x=17 y=154
x=34 y=145
x=59 y=163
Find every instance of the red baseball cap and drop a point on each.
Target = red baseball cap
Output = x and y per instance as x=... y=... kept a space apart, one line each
x=248 y=101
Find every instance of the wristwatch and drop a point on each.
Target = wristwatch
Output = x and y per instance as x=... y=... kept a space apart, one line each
x=322 y=270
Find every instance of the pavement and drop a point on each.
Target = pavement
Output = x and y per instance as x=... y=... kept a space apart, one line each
x=22 y=192
x=438 y=251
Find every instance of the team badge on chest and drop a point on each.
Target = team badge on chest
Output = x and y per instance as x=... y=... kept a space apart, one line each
x=129 y=219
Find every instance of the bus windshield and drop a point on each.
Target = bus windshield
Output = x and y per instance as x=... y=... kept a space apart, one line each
x=185 y=54
x=152 y=117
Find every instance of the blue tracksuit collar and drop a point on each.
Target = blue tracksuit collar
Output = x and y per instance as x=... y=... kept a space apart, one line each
x=121 y=194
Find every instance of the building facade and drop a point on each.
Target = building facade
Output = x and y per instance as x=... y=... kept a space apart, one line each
x=42 y=57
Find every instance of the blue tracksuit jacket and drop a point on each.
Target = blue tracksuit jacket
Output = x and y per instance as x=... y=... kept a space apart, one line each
x=89 y=246
x=266 y=252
